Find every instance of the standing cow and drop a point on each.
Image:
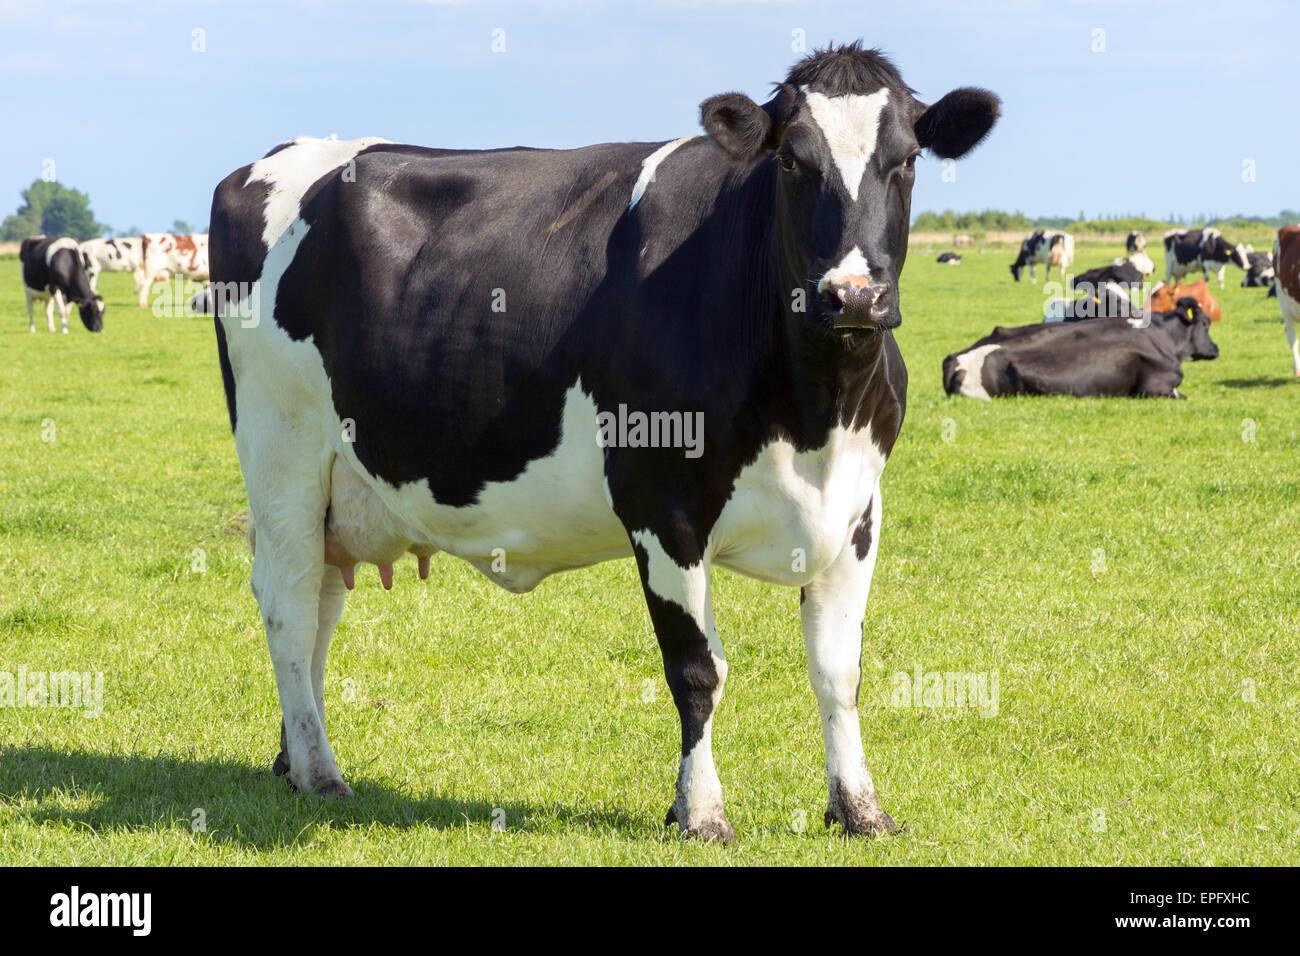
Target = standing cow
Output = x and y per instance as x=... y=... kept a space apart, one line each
x=112 y=255
x=164 y=254
x=1051 y=247
x=54 y=270
x=433 y=350
x=1286 y=269
x=1187 y=250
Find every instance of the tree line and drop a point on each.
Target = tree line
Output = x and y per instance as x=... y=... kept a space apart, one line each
x=52 y=209
x=998 y=220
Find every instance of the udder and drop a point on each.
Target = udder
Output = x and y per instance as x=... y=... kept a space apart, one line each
x=359 y=528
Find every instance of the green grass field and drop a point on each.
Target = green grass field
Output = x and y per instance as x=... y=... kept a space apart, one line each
x=1128 y=568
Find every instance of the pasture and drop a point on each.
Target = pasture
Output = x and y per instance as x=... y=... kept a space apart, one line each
x=1126 y=570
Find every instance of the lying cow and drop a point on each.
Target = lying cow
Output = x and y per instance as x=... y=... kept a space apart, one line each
x=54 y=270
x=1100 y=357
x=1260 y=274
x=1163 y=298
x=1101 y=300
x=1286 y=266
x=438 y=343
x=112 y=255
x=1187 y=325
x=1051 y=247
x=164 y=254
x=1121 y=272
x=949 y=259
x=1187 y=250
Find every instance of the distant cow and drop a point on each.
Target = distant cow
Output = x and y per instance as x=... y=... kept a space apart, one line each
x=1286 y=266
x=963 y=242
x=1164 y=297
x=1101 y=357
x=1187 y=250
x=949 y=258
x=53 y=270
x=1120 y=272
x=1095 y=300
x=163 y=254
x=1260 y=274
x=112 y=255
x=1051 y=247
x=1135 y=242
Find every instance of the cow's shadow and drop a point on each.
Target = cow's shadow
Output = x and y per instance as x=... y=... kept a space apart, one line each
x=1273 y=382
x=249 y=807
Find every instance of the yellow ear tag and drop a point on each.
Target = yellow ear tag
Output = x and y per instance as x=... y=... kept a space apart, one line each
x=1097 y=300
x=1190 y=314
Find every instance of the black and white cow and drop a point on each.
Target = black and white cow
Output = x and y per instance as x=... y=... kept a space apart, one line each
x=433 y=350
x=1260 y=274
x=1099 y=300
x=949 y=259
x=112 y=255
x=1051 y=247
x=54 y=270
x=1120 y=272
x=1136 y=242
x=1100 y=357
x=1187 y=325
x=1187 y=250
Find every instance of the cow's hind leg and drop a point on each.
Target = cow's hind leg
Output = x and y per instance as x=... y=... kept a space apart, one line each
x=288 y=492
x=832 y=608
x=1290 y=315
x=681 y=609
x=332 y=596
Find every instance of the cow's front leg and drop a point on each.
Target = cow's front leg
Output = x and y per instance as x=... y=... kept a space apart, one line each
x=31 y=316
x=831 y=611
x=681 y=610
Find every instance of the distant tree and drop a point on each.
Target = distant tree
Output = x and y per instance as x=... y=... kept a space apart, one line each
x=181 y=227
x=133 y=231
x=53 y=209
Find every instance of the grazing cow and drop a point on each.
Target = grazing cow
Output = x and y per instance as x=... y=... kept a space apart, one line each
x=1260 y=274
x=1101 y=357
x=163 y=254
x=462 y=351
x=112 y=255
x=1286 y=266
x=1048 y=246
x=949 y=258
x=54 y=270
x=1163 y=298
x=1187 y=250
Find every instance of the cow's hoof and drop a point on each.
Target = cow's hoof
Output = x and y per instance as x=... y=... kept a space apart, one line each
x=332 y=788
x=281 y=766
x=860 y=816
x=713 y=829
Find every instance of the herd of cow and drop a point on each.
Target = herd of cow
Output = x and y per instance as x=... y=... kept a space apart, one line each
x=418 y=345
x=62 y=272
x=1099 y=341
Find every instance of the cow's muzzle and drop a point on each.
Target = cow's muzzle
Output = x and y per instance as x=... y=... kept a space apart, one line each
x=856 y=302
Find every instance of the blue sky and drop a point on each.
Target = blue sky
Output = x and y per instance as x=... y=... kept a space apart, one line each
x=1160 y=121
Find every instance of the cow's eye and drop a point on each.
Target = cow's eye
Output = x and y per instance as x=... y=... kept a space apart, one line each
x=911 y=161
x=786 y=162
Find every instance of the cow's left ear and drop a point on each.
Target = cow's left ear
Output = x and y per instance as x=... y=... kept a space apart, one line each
x=742 y=127
x=957 y=123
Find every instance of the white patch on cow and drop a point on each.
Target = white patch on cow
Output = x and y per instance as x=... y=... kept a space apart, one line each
x=972 y=363
x=648 y=167
x=290 y=172
x=853 y=264
x=791 y=512
x=1290 y=321
x=1142 y=262
x=850 y=124
x=58 y=245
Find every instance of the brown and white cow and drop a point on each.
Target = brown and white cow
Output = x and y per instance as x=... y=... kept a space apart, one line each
x=112 y=255
x=1164 y=297
x=1286 y=268
x=163 y=254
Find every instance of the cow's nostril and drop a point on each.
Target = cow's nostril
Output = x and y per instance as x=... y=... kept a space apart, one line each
x=830 y=300
x=882 y=296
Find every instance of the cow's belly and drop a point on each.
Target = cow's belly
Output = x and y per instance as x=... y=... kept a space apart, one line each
x=792 y=513
x=554 y=516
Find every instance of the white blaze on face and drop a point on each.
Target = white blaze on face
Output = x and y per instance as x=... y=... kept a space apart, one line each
x=850 y=124
x=853 y=264
x=972 y=363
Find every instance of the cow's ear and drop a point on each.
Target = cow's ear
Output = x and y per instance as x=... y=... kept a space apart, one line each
x=742 y=127
x=957 y=123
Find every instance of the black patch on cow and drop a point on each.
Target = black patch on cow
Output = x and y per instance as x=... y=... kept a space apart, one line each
x=227 y=373
x=862 y=534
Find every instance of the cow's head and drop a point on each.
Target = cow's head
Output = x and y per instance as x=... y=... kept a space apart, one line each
x=842 y=134
x=92 y=313
x=1214 y=246
x=1197 y=321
